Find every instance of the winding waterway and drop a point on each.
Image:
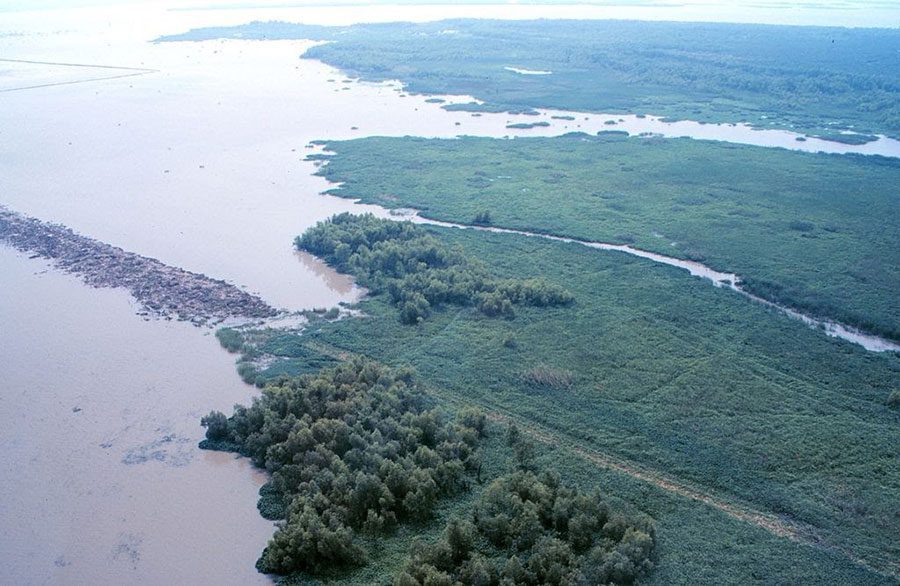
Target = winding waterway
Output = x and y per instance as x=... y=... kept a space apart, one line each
x=718 y=279
x=196 y=159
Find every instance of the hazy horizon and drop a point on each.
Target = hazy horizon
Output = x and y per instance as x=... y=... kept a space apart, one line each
x=839 y=13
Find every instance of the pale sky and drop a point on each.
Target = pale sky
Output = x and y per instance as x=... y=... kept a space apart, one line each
x=867 y=13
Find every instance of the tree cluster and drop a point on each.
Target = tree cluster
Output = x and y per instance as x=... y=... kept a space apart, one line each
x=529 y=529
x=352 y=450
x=417 y=270
x=482 y=218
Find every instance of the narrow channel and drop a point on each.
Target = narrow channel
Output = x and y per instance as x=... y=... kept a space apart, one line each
x=719 y=279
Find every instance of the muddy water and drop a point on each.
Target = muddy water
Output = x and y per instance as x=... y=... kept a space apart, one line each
x=197 y=166
x=341 y=284
x=101 y=478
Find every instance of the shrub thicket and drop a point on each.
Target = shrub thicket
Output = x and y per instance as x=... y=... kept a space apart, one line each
x=482 y=218
x=418 y=271
x=230 y=339
x=530 y=529
x=351 y=450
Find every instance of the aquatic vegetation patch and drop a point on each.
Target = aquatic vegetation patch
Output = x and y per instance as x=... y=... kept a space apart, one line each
x=528 y=125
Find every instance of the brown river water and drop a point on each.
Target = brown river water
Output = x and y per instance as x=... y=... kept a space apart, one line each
x=191 y=153
x=101 y=479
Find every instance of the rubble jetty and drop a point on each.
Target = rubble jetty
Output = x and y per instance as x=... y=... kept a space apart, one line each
x=164 y=291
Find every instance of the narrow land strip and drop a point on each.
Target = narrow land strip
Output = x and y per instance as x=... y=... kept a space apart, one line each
x=165 y=291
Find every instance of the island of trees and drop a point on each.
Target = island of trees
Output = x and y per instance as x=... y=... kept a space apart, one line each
x=528 y=528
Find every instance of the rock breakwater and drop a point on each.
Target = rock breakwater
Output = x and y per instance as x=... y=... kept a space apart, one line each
x=165 y=291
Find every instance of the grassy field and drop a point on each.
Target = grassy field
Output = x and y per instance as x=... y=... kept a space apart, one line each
x=817 y=232
x=811 y=78
x=663 y=371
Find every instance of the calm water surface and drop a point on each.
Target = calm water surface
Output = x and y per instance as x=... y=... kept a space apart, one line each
x=101 y=478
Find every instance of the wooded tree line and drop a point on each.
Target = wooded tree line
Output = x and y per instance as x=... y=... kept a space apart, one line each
x=353 y=450
x=417 y=270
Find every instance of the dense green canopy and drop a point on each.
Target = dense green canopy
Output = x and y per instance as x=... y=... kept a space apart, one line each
x=354 y=449
x=417 y=270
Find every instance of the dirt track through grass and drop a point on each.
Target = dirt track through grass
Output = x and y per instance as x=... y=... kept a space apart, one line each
x=780 y=526
x=775 y=524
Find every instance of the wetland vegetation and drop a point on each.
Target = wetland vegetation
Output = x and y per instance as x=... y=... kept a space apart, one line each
x=657 y=368
x=418 y=271
x=529 y=529
x=353 y=449
x=357 y=451
x=816 y=232
x=810 y=78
